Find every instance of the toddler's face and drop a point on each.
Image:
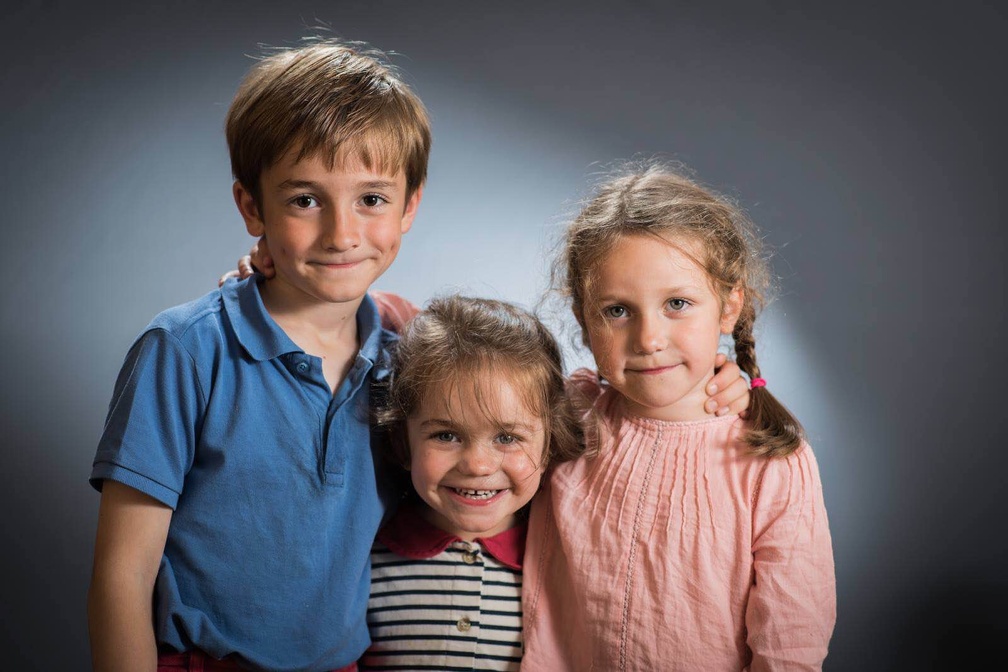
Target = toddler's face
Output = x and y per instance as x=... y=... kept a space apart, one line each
x=476 y=451
x=655 y=326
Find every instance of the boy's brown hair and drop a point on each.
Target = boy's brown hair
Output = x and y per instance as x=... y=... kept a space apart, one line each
x=331 y=99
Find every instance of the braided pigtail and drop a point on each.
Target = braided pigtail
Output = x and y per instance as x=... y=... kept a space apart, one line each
x=773 y=430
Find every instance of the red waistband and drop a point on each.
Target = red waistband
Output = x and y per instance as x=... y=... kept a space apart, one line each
x=197 y=661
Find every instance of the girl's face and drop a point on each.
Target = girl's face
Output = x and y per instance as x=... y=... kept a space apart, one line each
x=654 y=326
x=476 y=451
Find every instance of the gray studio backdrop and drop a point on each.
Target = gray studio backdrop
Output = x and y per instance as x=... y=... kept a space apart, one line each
x=868 y=143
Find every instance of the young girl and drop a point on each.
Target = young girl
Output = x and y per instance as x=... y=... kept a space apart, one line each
x=476 y=411
x=678 y=542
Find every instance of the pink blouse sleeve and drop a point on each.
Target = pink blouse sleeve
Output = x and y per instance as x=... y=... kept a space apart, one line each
x=792 y=604
x=395 y=311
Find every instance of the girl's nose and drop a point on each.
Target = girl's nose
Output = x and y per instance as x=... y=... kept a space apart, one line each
x=478 y=460
x=650 y=336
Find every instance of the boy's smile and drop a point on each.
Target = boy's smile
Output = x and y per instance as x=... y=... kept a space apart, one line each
x=475 y=454
x=331 y=231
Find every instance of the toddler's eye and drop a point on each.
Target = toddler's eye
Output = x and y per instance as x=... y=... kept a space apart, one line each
x=445 y=437
x=677 y=304
x=507 y=439
x=372 y=200
x=304 y=201
x=615 y=311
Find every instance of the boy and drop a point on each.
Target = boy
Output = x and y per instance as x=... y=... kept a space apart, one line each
x=237 y=479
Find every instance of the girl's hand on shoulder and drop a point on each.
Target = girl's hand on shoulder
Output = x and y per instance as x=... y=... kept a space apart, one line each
x=728 y=390
x=258 y=259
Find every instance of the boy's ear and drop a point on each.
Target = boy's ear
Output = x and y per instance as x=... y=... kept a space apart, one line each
x=411 y=209
x=732 y=309
x=248 y=209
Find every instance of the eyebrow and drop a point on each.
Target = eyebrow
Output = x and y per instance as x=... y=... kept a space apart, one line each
x=310 y=184
x=436 y=421
x=685 y=289
x=440 y=422
x=298 y=184
x=378 y=184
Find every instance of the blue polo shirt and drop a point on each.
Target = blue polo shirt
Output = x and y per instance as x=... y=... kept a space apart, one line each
x=272 y=478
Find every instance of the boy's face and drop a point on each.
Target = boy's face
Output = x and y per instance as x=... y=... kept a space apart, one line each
x=475 y=455
x=331 y=232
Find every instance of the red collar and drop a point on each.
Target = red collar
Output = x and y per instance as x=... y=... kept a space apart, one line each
x=410 y=536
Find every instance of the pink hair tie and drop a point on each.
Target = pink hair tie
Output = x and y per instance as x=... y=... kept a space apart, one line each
x=757 y=382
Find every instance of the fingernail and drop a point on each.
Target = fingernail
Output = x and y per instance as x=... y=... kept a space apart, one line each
x=722 y=410
x=710 y=405
x=712 y=389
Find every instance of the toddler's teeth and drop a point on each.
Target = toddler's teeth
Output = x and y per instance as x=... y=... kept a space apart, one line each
x=476 y=494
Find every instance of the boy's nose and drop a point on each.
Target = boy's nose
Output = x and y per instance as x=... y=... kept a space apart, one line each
x=342 y=232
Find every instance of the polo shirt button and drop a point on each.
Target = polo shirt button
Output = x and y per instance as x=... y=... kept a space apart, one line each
x=464 y=624
x=469 y=557
x=302 y=367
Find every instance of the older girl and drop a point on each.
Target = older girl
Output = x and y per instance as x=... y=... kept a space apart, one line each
x=679 y=541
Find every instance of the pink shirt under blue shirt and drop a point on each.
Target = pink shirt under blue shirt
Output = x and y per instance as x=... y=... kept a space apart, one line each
x=675 y=548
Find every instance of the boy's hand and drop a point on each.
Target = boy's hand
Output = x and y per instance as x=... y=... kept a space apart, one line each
x=728 y=390
x=258 y=259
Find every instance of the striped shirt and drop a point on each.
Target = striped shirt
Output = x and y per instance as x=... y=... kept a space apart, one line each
x=441 y=603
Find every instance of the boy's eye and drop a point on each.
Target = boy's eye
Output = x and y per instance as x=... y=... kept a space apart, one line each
x=373 y=200
x=677 y=304
x=304 y=201
x=615 y=312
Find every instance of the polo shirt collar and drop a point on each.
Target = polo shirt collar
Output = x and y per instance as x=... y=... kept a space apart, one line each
x=263 y=338
x=369 y=330
x=408 y=534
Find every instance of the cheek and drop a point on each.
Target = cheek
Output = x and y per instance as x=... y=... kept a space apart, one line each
x=426 y=470
x=525 y=474
x=604 y=349
x=701 y=342
x=386 y=236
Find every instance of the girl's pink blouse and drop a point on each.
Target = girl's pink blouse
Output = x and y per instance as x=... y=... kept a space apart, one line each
x=673 y=548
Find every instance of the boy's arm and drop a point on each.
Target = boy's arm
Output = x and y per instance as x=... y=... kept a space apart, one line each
x=132 y=529
x=728 y=390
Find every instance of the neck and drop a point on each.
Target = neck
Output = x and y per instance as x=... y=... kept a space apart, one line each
x=323 y=329
x=296 y=311
x=687 y=408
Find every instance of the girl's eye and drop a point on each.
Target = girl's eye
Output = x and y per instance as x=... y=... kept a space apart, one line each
x=445 y=437
x=373 y=200
x=677 y=305
x=507 y=439
x=615 y=312
x=304 y=201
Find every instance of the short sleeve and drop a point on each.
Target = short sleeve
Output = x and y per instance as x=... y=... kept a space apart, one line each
x=395 y=311
x=792 y=604
x=149 y=441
